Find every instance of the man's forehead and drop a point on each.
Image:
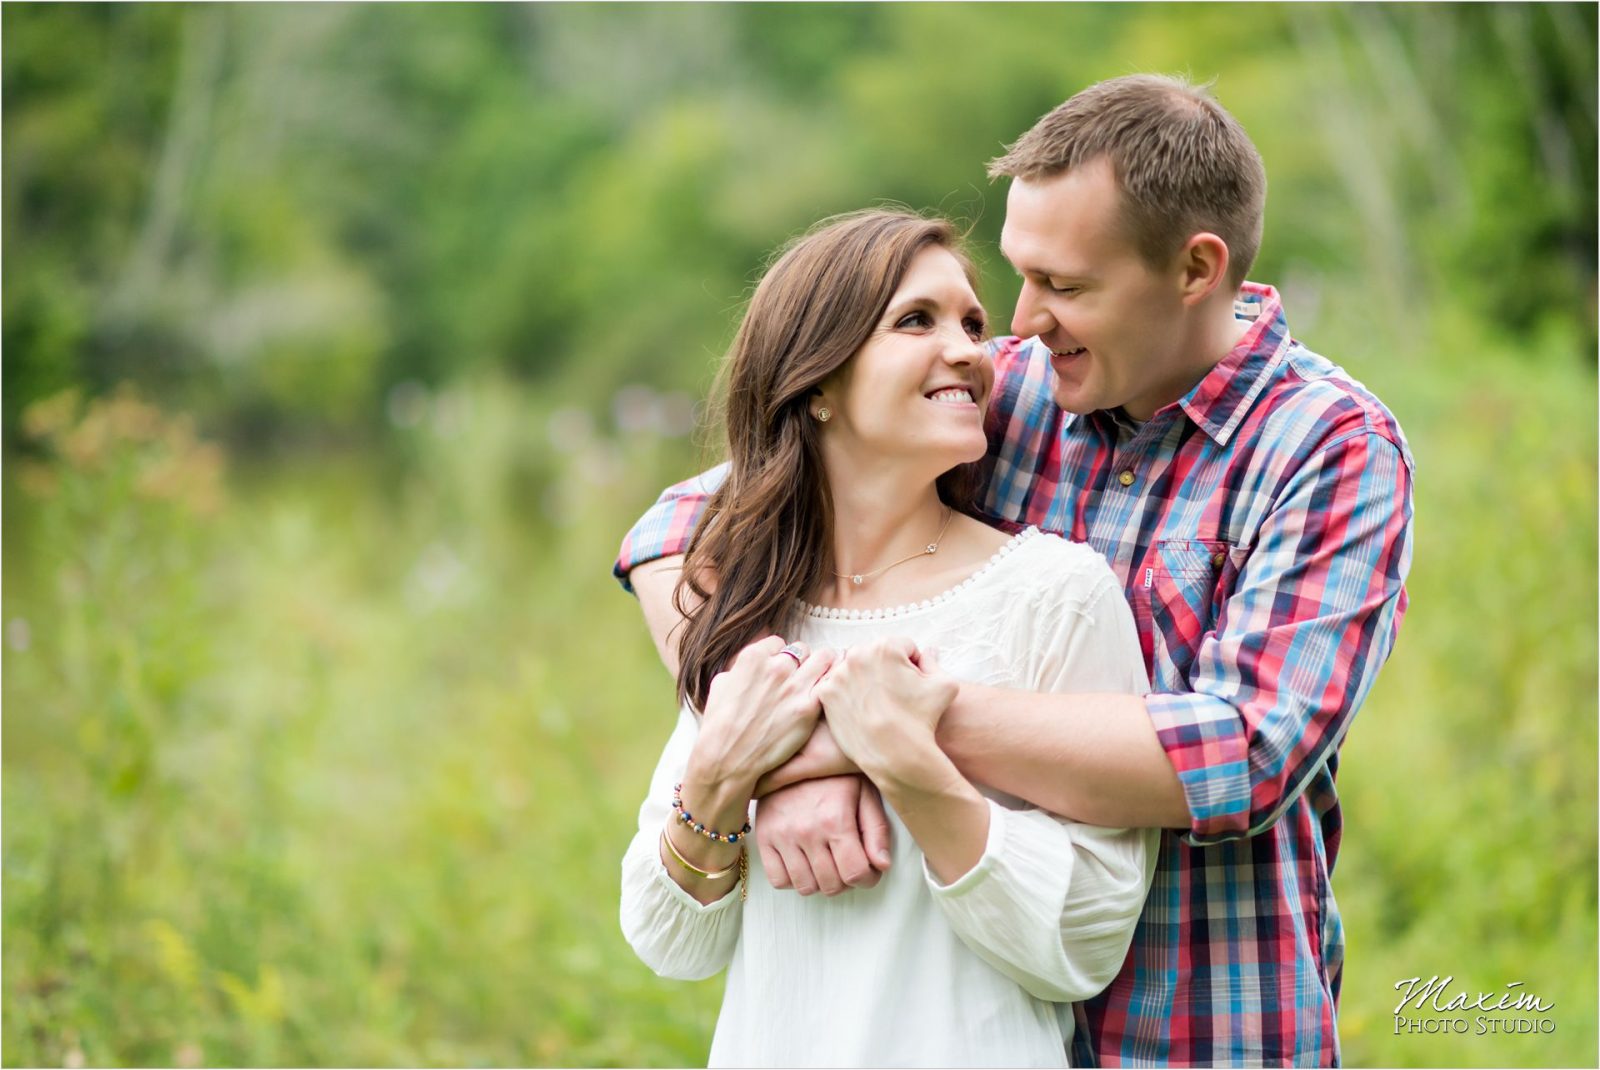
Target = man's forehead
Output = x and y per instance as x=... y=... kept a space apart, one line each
x=1009 y=247
x=1057 y=225
x=1038 y=251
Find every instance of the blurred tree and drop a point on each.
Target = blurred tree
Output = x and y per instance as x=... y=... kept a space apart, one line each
x=271 y=216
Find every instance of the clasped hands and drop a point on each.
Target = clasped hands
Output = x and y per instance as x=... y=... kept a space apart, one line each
x=808 y=729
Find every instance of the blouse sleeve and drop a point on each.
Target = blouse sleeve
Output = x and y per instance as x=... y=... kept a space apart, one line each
x=672 y=932
x=1053 y=903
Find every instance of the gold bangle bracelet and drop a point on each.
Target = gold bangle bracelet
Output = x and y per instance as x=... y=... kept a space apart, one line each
x=696 y=870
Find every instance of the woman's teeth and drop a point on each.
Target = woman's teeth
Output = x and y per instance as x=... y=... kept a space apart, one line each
x=955 y=396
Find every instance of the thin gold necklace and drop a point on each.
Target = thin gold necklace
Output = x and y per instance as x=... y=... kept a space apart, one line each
x=858 y=578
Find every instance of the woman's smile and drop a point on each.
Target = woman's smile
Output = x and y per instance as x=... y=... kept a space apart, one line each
x=958 y=396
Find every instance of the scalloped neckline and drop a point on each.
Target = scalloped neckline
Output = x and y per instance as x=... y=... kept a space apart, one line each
x=886 y=612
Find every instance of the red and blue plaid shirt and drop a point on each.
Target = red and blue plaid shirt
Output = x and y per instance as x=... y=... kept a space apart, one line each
x=1262 y=529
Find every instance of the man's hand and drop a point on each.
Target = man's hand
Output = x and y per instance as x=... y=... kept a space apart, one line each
x=823 y=835
x=820 y=757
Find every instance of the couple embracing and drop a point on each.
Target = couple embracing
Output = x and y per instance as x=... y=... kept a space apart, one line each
x=1032 y=654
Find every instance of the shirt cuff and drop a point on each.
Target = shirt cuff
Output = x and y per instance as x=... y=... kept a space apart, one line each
x=1205 y=740
x=985 y=865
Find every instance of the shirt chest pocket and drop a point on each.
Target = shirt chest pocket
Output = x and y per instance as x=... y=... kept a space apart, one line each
x=1179 y=595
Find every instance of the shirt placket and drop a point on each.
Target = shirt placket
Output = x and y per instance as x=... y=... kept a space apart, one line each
x=1114 y=516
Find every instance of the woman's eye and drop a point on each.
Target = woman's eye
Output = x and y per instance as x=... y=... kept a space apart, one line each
x=976 y=328
x=914 y=319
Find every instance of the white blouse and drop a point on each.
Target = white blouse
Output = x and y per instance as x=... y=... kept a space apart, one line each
x=979 y=972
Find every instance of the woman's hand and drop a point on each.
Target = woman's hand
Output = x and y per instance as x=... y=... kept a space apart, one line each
x=759 y=712
x=883 y=701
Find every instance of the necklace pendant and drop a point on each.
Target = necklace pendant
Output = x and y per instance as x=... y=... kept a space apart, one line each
x=856 y=580
x=931 y=548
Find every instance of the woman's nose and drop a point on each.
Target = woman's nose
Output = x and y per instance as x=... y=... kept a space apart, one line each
x=961 y=348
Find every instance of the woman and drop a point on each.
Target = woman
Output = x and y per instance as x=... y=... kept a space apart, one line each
x=855 y=393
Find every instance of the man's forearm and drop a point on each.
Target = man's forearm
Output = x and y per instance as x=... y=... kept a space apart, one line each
x=654 y=582
x=1093 y=758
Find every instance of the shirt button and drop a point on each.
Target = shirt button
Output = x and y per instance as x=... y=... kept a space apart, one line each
x=1217 y=559
x=1126 y=478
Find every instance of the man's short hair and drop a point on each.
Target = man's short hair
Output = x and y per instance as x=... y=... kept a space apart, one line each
x=1183 y=164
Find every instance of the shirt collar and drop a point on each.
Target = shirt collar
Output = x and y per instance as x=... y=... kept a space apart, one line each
x=1219 y=402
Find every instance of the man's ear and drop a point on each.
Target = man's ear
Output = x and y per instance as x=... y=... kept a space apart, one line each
x=1202 y=267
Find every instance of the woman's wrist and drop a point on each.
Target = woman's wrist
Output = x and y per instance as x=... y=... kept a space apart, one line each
x=700 y=857
x=906 y=757
x=706 y=869
x=715 y=794
x=914 y=767
x=708 y=826
x=719 y=806
x=715 y=774
x=945 y=814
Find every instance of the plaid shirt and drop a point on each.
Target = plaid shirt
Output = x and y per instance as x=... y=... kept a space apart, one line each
x=1262 y=529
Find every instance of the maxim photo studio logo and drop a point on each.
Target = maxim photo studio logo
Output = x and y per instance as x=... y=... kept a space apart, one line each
x=1438 y=1005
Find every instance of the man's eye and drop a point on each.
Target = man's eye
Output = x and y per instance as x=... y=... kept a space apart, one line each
x=1061 y=287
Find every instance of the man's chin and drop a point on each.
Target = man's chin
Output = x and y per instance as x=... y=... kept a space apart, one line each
x=1072 y=401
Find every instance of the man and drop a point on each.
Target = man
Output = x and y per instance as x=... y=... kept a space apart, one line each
x=1256 y=503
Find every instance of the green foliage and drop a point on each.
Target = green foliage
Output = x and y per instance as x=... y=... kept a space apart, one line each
x=1469 y=779
x=274 y=219
x=340 y=771
x=329 y=758
x=314 y=779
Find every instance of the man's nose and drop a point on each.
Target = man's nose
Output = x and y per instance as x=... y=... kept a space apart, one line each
x=1030 y=318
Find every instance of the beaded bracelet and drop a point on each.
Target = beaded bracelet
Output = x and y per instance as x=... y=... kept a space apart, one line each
x=686 y=818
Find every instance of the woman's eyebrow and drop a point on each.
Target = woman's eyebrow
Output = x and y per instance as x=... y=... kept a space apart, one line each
x=919 y=301
x=906 y=304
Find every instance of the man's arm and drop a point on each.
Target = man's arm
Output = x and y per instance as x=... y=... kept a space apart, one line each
x=1093 y=758
x=651 y=558
x=654 y=582
x=667 y=526
x=1045 y=748
x=823 y=835
x=1296 y=649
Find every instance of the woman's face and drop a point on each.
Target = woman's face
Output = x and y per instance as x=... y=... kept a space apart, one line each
x=917 y=390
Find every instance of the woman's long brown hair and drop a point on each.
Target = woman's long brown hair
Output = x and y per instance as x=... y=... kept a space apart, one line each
x=763 y=539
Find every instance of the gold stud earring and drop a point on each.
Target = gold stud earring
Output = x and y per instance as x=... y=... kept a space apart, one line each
x=823 y=415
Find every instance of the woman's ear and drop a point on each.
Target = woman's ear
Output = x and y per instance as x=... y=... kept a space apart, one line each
x=818 y=406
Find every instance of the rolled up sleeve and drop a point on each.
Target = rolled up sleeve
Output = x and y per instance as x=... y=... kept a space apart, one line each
x=1312 y=617
x=668 y=525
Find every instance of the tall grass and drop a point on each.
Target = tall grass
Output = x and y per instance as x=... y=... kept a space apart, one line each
x=333 y=764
